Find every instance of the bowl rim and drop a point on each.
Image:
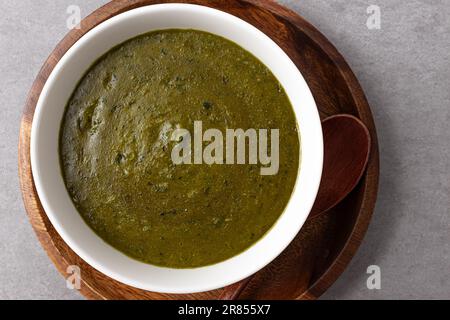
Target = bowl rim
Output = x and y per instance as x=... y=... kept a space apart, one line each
x=45 y=198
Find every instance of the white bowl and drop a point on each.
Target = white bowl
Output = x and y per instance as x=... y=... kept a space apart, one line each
x=46 y=166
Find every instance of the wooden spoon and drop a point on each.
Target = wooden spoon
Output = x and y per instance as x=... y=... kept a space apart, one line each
x=346 y=153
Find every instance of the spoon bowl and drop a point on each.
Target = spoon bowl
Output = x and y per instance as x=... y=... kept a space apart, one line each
x=346 y=153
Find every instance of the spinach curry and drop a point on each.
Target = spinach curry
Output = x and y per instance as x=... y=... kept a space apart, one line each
x=115 y=148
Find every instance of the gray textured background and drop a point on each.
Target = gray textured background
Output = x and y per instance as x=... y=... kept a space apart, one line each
x=404 y=69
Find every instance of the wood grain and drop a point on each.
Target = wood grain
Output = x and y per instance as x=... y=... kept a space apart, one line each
x=326 y=246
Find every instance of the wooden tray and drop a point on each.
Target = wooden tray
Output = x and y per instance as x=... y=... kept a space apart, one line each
x=327 y=244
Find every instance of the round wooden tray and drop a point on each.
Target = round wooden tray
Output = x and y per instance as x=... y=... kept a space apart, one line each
x=326 y=244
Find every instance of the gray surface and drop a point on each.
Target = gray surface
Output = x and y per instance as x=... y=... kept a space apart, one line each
x=404 y=69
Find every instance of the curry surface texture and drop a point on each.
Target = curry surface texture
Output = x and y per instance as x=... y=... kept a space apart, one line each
x=115 y=148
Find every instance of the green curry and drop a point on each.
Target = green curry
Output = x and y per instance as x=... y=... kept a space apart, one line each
x=115 y=148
